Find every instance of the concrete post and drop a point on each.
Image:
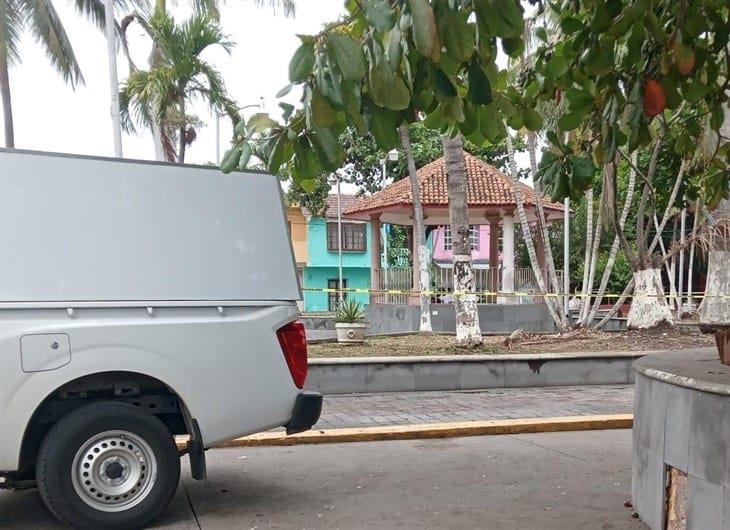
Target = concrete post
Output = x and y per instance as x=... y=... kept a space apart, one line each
x=493 y=256
x=508 y=259
x=375 y=257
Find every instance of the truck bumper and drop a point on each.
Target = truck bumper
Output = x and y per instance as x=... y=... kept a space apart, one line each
x=307 y=409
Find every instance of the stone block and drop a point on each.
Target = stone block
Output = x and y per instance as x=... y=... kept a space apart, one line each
x=704 y=504
x=676 y=437
x=709 y=433
x=477 y=375
x=336 y=379
x=437 y=376
x=390 y=378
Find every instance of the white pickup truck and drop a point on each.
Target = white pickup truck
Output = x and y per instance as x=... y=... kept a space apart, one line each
x=139 y=301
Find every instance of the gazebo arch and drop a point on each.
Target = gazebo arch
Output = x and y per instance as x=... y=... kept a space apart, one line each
x=490 y=201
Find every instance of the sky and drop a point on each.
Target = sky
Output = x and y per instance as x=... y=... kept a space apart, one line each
x=50 y=115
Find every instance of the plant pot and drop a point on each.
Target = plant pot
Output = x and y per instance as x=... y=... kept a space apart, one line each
x=351 y=332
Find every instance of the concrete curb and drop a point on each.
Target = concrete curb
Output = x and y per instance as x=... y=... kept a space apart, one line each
x=363 y=375
x=438 y=430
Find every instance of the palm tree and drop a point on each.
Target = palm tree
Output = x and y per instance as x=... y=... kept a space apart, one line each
x=419 y=234
x=468 y=332
x=177 y=77
x=41 y=19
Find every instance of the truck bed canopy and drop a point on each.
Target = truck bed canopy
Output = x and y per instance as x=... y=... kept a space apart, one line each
x=92 y=229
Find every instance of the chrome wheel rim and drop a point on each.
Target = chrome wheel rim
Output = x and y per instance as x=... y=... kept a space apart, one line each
x=114 y=471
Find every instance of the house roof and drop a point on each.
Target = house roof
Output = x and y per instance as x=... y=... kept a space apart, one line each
x=486 y=187
x=347 y=201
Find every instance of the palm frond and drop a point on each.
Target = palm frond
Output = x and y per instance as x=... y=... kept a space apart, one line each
x=94 y=10
x=48 y=30
x=11 y=24
x=287 y=6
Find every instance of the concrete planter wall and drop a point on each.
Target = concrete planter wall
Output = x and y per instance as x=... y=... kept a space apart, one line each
x=681 y=435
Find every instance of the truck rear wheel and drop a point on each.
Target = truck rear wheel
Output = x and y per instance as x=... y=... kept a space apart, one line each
x=108 y=465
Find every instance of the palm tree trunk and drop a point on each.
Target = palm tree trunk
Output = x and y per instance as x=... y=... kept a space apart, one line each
x=468 y=333
x=541 y=220
x=690 y=269
x=419 y=232
x=7 y=106
x=550 y=302
x=615 y=245
x=595 y=250
x=589 y=249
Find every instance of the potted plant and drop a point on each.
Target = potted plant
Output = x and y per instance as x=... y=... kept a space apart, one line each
x=350 y=326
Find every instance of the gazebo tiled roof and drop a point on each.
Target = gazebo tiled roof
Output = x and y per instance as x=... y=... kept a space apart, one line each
x=487 y=187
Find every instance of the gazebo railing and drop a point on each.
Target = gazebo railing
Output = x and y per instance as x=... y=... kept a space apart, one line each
x=442 y=284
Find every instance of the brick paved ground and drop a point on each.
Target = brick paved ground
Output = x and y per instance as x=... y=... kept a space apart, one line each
x=396 y=408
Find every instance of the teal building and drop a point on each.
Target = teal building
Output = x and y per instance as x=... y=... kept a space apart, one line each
x=321 y=270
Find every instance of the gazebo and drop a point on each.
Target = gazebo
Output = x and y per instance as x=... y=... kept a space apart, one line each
x=490 y=201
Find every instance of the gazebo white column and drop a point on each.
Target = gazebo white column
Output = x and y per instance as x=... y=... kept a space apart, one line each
x=508 y=259
x=375 y=283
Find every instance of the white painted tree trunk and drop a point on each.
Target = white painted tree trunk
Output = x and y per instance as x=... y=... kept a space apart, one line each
x=690 y=266
x=616 y=243
x=595 y=250
x=550 y=302
x=715 y=309
x=419 y=234
x=468 y=332
x=541 y=219
x=589 y=250
x=649 y=307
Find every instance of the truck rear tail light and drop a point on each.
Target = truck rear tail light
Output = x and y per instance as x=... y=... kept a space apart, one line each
x=293 y=341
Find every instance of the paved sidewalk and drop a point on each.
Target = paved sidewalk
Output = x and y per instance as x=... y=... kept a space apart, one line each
x=404 y=408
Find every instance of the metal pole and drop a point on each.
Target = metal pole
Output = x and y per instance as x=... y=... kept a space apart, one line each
x=566 y=256
x=339 y=237
x=217 y=138
x=113 y=80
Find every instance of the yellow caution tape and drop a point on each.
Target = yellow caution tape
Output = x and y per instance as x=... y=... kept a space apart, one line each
x=697 y=294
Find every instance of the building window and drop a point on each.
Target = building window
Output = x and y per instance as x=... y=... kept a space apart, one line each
x=353 y=237
x=333 y=298
x=473 y=237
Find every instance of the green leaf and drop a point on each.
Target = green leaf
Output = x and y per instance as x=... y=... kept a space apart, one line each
x=570 y=120
x=284 y=91
x=532 y=119
x=380 y=15
x=557 y=66
x=349 y=56
x=323 y=115
x=602 y=19
x=453 y=110
x=541 y=33
x=579 y=99
x=717 y=117
x=384 y=127
x=306 y=165
x=513 y=46
x=260 y=122
x=308 y=185
x=571 y=25
x=328 y=149
x=424 y=27
x=280 y=154
x=230 y=159
x=395 y=48
x=387 y=89
x=301 y=63
x=457 y=36
x=480 y=90
x=490 y=123
x=444 y=87
x=695 y=91
x=246 y=152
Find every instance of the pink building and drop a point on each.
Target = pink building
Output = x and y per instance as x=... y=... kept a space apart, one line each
x=440 y=242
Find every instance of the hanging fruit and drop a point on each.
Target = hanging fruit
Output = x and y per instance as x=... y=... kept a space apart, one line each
x=654 y=99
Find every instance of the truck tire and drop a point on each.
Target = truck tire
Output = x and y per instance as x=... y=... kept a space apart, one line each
x=108 y=465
